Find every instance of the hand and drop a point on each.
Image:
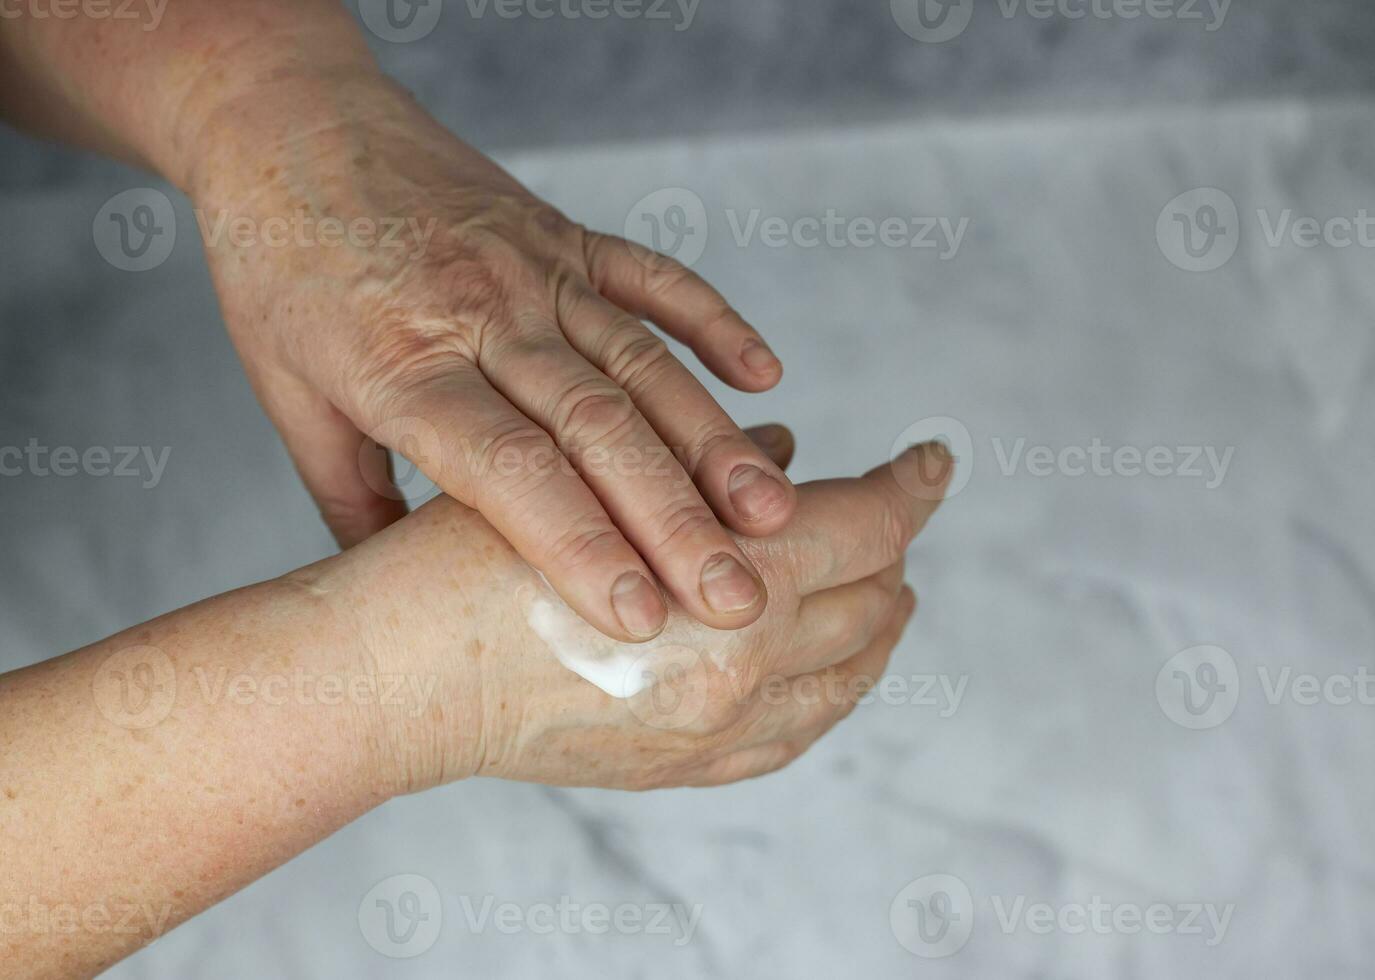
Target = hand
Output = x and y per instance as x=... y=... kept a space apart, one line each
x=491 y=341
x=440 y=595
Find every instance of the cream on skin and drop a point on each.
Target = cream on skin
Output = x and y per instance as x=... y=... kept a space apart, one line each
x=622 y=670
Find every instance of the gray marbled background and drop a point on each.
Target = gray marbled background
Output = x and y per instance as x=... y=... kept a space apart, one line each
x=746 y=65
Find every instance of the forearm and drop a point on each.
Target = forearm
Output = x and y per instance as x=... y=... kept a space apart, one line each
x=142 y=87
x=150 y=775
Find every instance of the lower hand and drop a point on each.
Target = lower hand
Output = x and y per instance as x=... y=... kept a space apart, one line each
x=442 y=595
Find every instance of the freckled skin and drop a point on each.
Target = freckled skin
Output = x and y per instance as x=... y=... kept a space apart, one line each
x=181 y=801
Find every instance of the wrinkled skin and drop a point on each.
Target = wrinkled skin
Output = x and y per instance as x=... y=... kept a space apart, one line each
x=380 y=277
x=725 y=710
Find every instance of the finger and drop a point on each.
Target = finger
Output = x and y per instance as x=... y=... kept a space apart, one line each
x=846 y=530
x=658 y=288
x=835 y=624
x=643 y=487
x=807 y=706
x=776 y=441
x=499 y=462
x=741 y=483
x=347 y=474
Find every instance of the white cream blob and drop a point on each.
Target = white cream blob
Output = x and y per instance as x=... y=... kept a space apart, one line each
x=586 y=652
x=622 y=670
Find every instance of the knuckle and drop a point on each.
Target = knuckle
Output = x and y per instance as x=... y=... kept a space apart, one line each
x=636 y=358
x=509 y=460
x=683 y=520
x=711 y=439
x=593 y=412
x=663 y=274
x=348 y=510
x=584 y=544
x=895 y=529
x=406 y=353
x=722 y=318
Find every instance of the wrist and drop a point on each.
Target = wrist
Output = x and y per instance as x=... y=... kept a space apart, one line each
x=417 y=722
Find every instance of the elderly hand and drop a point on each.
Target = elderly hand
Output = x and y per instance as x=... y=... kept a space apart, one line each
x=440 y=597
x=380 y=277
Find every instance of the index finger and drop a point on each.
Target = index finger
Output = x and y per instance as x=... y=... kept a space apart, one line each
x=846 y=530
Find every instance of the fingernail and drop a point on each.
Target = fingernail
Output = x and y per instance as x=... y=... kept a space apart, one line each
x=757 y=357
x=754 y=494
x=638 y=605
x=726 y=585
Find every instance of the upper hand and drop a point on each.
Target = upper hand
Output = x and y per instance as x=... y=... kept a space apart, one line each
x=494 y=343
